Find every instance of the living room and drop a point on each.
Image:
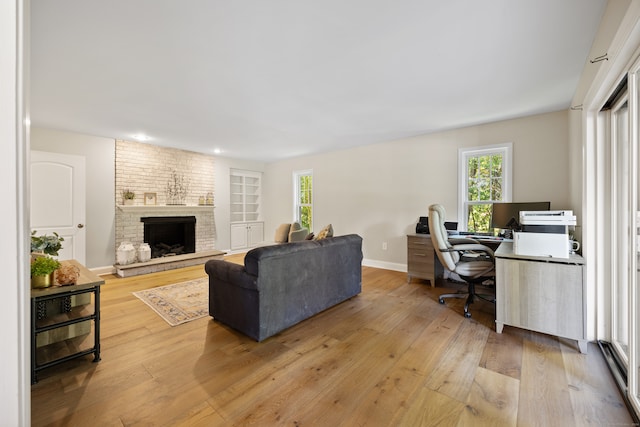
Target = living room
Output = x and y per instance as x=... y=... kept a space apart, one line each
x=379 y=190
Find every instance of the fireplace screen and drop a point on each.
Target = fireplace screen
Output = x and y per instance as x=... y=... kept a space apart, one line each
x=170 y=235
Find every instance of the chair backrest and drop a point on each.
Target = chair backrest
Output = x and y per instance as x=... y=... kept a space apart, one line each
x=440 y=238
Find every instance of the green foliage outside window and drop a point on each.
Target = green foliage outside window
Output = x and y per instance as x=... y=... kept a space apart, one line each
x=484 y=187
x=305 y=185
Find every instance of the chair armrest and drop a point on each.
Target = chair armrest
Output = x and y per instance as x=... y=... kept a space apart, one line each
x=472 y=247
x=462 y=241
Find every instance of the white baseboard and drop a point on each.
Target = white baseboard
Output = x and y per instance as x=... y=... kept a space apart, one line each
x=109 y=269
x=385 y=265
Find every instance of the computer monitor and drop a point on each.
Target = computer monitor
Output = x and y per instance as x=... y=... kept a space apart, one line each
x=506 y=216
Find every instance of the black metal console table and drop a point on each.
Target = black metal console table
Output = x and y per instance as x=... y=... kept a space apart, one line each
x=88 y=282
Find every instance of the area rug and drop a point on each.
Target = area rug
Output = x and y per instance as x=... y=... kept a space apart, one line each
x=178 y=303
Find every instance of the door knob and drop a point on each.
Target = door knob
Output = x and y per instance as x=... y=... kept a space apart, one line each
x=80 y=225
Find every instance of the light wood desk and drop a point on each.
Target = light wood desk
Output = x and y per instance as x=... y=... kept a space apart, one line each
x=541 y=294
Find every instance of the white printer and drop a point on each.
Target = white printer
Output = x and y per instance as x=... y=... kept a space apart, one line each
x=544 y=233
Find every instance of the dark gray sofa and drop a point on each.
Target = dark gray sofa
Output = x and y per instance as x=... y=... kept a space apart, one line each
x=281 y=285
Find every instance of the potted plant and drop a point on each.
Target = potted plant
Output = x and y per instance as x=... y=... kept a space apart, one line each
x=49 y=245
x=42 y=269
x=127 y=196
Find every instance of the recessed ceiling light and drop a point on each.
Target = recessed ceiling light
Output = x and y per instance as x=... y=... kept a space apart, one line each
x=217 y=151
x=141 y=137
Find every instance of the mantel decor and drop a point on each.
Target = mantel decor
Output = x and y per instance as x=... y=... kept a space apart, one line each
x=127 y=196
x=177 y=189
x=150 y=198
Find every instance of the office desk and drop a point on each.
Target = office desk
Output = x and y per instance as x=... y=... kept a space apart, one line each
x=541 y=294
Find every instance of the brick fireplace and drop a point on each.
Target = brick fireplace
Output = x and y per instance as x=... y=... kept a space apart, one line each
x=147 y=171
x=131 y=228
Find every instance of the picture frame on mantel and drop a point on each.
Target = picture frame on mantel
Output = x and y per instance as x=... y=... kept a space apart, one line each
x=150 y=198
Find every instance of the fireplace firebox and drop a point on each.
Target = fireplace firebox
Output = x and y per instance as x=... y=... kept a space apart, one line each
x=170 y=235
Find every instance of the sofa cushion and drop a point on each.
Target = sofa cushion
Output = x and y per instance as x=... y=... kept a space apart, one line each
x=297 y=233
x=282 y=233
x=325 y=232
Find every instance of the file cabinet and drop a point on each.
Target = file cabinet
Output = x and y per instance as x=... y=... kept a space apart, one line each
x=422 y=261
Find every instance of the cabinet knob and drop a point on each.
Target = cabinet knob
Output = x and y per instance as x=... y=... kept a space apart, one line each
x=80 y=225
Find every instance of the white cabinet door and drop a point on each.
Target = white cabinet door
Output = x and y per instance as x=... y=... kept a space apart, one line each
x=255 y=233
x=238 y=236
x=246 y=235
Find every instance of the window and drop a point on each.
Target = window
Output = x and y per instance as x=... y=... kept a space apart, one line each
x=303 y=198
x=485 y=178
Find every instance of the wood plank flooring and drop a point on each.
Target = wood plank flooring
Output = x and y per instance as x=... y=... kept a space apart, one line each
x=392 y=356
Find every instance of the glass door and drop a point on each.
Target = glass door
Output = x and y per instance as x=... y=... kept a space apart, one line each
x=633 y=304
x=620 y=228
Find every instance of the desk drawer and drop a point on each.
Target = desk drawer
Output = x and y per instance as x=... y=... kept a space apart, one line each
x=419 y=243
x=420 y=260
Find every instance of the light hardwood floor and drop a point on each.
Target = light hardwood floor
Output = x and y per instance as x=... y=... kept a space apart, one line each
x=391 y=356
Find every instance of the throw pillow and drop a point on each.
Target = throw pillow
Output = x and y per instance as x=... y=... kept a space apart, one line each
x=297 y=233
x=325 y=232
x=282 y=233
x=310 y=236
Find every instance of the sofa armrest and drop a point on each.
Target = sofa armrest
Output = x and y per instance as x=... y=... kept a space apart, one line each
x=230 y=273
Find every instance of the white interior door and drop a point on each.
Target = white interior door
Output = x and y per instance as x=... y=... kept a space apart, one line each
x=58 y=200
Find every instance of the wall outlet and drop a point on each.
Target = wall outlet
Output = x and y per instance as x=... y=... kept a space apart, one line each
x=384 y=246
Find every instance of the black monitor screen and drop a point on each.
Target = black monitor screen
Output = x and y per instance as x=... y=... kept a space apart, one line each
x=506 y=216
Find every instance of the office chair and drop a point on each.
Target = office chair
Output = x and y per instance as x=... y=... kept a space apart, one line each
x=470 y=260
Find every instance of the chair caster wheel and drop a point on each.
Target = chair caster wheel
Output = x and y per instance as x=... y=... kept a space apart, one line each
x=441 y=301
x=467 y=315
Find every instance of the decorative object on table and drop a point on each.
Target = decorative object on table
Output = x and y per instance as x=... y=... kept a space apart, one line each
x=201 y=201
x=150 y=198
x=144 y=252
x=126 y=254
x=67 y=274
x=178 y=303
x=42 y=271
x=209 y=201
x=49 y=245
x=177 y=189
x=127 y=196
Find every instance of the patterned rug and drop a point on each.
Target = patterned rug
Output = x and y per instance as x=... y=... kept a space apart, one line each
x=178 y=303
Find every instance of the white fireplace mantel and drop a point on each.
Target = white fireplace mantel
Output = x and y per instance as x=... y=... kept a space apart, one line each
x=172 y=208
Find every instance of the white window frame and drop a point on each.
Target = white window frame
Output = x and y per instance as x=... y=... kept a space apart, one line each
x=296 y=194
x=506 y=149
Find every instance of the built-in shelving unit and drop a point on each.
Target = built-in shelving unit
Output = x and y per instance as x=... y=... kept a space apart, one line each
x=245 y=195
x=246 y=222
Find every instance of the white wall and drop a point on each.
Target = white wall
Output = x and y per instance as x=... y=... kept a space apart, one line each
x=379 y=191
x=100 y=161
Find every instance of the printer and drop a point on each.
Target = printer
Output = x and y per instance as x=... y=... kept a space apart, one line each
x=544 y=233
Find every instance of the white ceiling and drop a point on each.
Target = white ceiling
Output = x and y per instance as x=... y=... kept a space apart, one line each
x=266 y=80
